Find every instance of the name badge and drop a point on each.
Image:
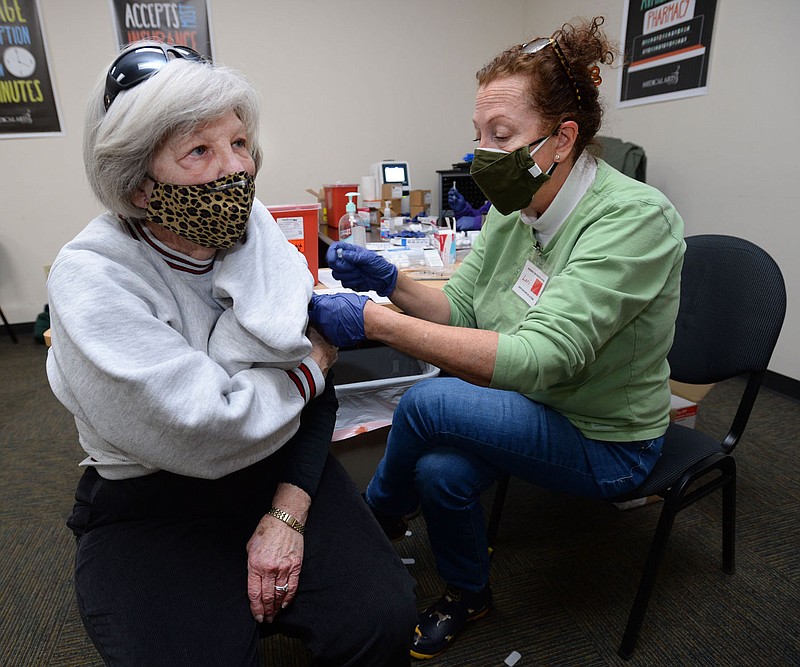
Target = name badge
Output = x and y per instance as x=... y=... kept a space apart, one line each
x=531 y=283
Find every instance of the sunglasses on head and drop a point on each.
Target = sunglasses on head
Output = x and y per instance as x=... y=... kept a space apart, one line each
x=538 y=44
x=139 y=64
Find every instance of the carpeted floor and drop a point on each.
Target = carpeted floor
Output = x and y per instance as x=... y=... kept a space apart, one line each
x=564 y=574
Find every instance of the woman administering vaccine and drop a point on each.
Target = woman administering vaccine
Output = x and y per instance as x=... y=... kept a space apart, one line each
x=210 y=512
x=555 y=328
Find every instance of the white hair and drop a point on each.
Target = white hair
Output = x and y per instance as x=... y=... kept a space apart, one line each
x=119 y=144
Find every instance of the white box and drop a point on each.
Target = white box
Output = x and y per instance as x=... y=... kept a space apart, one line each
x=369 y=383
x=682 y=411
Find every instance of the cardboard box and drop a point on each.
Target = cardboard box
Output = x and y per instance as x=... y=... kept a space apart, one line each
x=691 y=392
x=391 y=191
x=420 y=198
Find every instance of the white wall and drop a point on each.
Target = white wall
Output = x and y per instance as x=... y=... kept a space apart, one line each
x=728 y=159
x=349 y=82
x=343 y=84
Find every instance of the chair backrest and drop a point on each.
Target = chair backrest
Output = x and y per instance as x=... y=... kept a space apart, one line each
x=733 y=301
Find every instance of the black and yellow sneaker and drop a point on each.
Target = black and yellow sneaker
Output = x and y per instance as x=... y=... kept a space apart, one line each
x=444 y=619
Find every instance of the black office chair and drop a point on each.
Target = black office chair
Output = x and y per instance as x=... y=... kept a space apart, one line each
x=733 y=301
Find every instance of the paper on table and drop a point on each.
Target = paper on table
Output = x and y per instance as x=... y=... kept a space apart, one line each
x=333 y=286
x=327 y=279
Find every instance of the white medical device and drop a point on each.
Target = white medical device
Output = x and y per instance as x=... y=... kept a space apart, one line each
x=392 y=171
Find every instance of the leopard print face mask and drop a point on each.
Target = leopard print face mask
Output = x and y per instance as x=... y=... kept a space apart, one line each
x=212 y=215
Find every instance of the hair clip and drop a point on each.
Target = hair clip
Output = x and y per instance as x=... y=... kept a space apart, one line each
x=595 y=73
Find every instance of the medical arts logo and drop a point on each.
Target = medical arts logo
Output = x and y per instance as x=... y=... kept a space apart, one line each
x=669 y=80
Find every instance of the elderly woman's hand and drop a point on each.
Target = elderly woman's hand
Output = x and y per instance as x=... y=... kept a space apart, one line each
x=275 y=556
x=323 y=352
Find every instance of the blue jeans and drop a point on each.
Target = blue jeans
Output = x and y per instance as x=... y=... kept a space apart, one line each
x=450 y=440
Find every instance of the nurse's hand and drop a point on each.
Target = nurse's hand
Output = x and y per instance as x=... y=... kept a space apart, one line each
x=339 y=317
x=361 y=269
x=459 y=204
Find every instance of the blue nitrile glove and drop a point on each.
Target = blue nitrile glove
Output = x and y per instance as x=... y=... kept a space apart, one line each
x=459 y=204
x=361 y=269
x=339 y=317
x=468 y=223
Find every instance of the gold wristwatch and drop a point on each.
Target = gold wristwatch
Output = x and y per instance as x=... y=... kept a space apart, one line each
x=288 y=519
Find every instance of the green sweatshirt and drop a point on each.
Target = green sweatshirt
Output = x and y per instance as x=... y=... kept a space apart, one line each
x=594 y=346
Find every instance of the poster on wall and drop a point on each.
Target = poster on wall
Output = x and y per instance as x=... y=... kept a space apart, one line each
x=185 y=23
x=667 y=45
x=28 y=105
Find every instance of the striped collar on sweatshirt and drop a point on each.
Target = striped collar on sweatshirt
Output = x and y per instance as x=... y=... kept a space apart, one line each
x=173 y=258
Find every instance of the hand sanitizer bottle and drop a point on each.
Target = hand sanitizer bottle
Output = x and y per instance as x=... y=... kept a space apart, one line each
x=386 y=220
x=350 y=228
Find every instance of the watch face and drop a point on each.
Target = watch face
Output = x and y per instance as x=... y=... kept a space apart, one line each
x=19 y=62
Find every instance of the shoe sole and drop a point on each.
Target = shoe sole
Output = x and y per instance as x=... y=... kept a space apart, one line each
x=402 y=536
x=428 y=656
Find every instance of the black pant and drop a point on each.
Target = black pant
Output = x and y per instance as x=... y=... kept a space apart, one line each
x=161 y=574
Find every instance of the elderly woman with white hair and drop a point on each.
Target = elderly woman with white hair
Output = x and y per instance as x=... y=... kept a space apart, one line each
x=210 y=512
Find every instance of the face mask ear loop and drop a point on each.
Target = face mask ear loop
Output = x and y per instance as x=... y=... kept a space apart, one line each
x=541 y=141
x=536 y=170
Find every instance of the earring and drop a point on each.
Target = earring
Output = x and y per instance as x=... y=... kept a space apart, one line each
x=557 y=157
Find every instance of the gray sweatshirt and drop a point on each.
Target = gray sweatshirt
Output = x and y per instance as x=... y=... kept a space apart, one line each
x=170 y=363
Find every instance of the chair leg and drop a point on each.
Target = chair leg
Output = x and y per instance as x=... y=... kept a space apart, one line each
x=679 y=497
x=729 y=521
x=8 y=327
x=497 y=510
x=648 y=580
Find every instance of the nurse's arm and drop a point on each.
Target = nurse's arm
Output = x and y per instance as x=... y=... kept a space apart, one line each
x=415 y=298
x=468 y=354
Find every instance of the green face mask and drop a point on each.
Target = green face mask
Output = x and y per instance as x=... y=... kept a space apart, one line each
x=509 y=180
